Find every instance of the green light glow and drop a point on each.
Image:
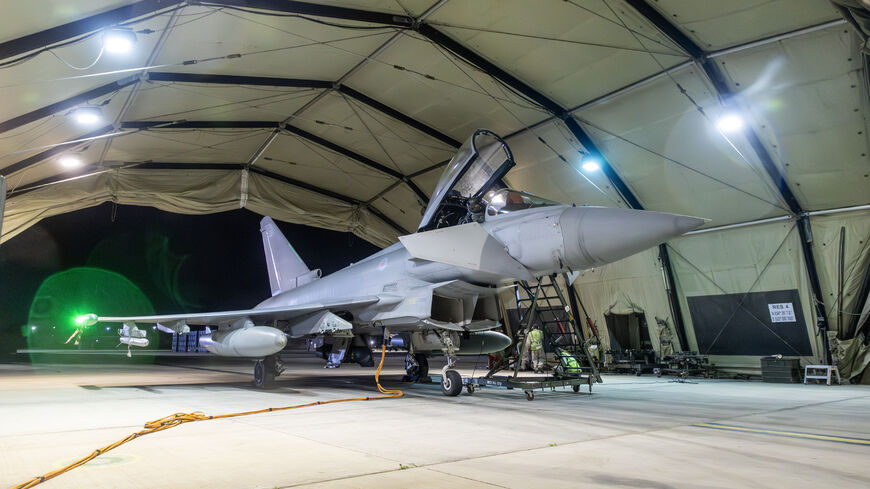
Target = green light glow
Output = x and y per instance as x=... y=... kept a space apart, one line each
x=86 y=320
x=69 y=301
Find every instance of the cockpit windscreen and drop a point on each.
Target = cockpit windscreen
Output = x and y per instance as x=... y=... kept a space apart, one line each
x=478 y=164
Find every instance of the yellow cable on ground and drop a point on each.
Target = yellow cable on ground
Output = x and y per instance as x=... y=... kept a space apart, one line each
x=177 y=419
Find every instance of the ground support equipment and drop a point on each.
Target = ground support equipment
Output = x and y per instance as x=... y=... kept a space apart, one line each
x=529 y=384
x=543 y=304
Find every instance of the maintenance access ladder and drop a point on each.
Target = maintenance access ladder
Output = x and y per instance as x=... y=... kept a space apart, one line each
x=545 y=303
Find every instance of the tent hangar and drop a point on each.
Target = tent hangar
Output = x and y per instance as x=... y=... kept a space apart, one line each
x=341 y=115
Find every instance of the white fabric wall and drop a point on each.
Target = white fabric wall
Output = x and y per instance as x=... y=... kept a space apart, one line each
x=733 y=261
x=195 y=192
x=826 y=234
x=631 y=285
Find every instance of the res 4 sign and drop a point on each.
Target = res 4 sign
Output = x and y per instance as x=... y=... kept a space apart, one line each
x=782 y=312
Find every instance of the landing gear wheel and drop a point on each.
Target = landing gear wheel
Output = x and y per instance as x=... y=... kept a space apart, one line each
x=470 y=389
x=451 y=383
x=264 y=377
x=576 y=388
x=530 y=396
x=418 y=372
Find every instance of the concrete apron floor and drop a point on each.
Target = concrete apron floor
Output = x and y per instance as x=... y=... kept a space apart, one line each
x=632 y=432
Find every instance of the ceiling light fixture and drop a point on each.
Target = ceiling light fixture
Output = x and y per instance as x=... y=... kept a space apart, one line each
x=729 y=123
x=590 y=163
x=119 y=41
x=70 y=161
x=88 y=115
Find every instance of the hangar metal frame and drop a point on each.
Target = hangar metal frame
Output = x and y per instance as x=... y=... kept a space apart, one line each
x=243 y=80
x=698 y=55
x=89 y=24
x=726 y=96
x=84 y=26
x=578 y=132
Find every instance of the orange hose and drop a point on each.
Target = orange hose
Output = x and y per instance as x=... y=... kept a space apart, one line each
x=178 y=419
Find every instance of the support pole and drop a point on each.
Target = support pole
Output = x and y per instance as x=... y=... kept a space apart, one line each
x=860 y=302
x=2 y=202
x=673 y=298
x=806 y=237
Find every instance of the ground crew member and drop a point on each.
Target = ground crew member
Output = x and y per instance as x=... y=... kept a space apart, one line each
x=536 y=348
x=569 y=362
x=336 y=355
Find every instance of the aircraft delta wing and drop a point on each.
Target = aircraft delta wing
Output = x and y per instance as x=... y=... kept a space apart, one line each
x=227 y=318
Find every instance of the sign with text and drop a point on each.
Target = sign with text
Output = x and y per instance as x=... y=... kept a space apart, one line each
x=782 y=312
x=753 y=323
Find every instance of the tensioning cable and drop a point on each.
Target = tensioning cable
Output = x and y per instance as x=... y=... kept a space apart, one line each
x=178 y=419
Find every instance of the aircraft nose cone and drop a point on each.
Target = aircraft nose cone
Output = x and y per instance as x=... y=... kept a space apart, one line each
x=597 y=235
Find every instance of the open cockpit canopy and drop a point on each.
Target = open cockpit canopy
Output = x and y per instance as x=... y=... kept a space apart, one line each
x=479 y=165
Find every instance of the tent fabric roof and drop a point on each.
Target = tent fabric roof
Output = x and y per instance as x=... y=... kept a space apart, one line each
x=359 y=103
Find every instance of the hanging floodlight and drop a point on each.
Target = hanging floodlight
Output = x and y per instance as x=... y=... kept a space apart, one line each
x=590 y=163
x=729 y=123
x=87 y=115
x=119 y=41
x=70 y=161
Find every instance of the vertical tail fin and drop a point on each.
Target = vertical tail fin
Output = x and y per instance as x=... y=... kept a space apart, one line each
x=282 y=261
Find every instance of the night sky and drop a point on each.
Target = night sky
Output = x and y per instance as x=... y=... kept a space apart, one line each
x=182 y=263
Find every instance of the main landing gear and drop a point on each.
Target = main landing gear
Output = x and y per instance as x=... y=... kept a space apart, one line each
x=266 y=370
x=416 y=367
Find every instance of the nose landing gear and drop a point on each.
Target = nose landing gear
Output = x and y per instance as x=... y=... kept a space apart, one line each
x=451 y=383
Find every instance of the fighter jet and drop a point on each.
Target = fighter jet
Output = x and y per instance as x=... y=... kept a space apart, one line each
x=434 y=292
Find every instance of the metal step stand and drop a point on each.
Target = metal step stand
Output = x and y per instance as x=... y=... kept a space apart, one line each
x=545 y=304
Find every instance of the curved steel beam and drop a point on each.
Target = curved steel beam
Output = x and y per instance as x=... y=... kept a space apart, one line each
x=399 y=116
x=320 y=10
x=358 y=157
x=723 y=89
x=571 y=123
x=56 y=150
x=183 y=124
x=106 y=19
x=303 y=83
x=68 y=103
x=217 y=79
x=82 y=26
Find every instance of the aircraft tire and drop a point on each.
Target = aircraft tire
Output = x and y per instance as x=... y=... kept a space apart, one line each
x=264 y=378
x=419 y=372
x=451 y=384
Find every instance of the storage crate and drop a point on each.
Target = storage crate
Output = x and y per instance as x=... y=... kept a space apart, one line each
x=781 y=370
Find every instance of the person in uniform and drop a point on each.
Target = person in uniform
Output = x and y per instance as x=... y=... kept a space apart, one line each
x=536 y=349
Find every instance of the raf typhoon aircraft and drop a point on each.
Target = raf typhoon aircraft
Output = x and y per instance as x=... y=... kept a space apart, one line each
x=433 y=292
